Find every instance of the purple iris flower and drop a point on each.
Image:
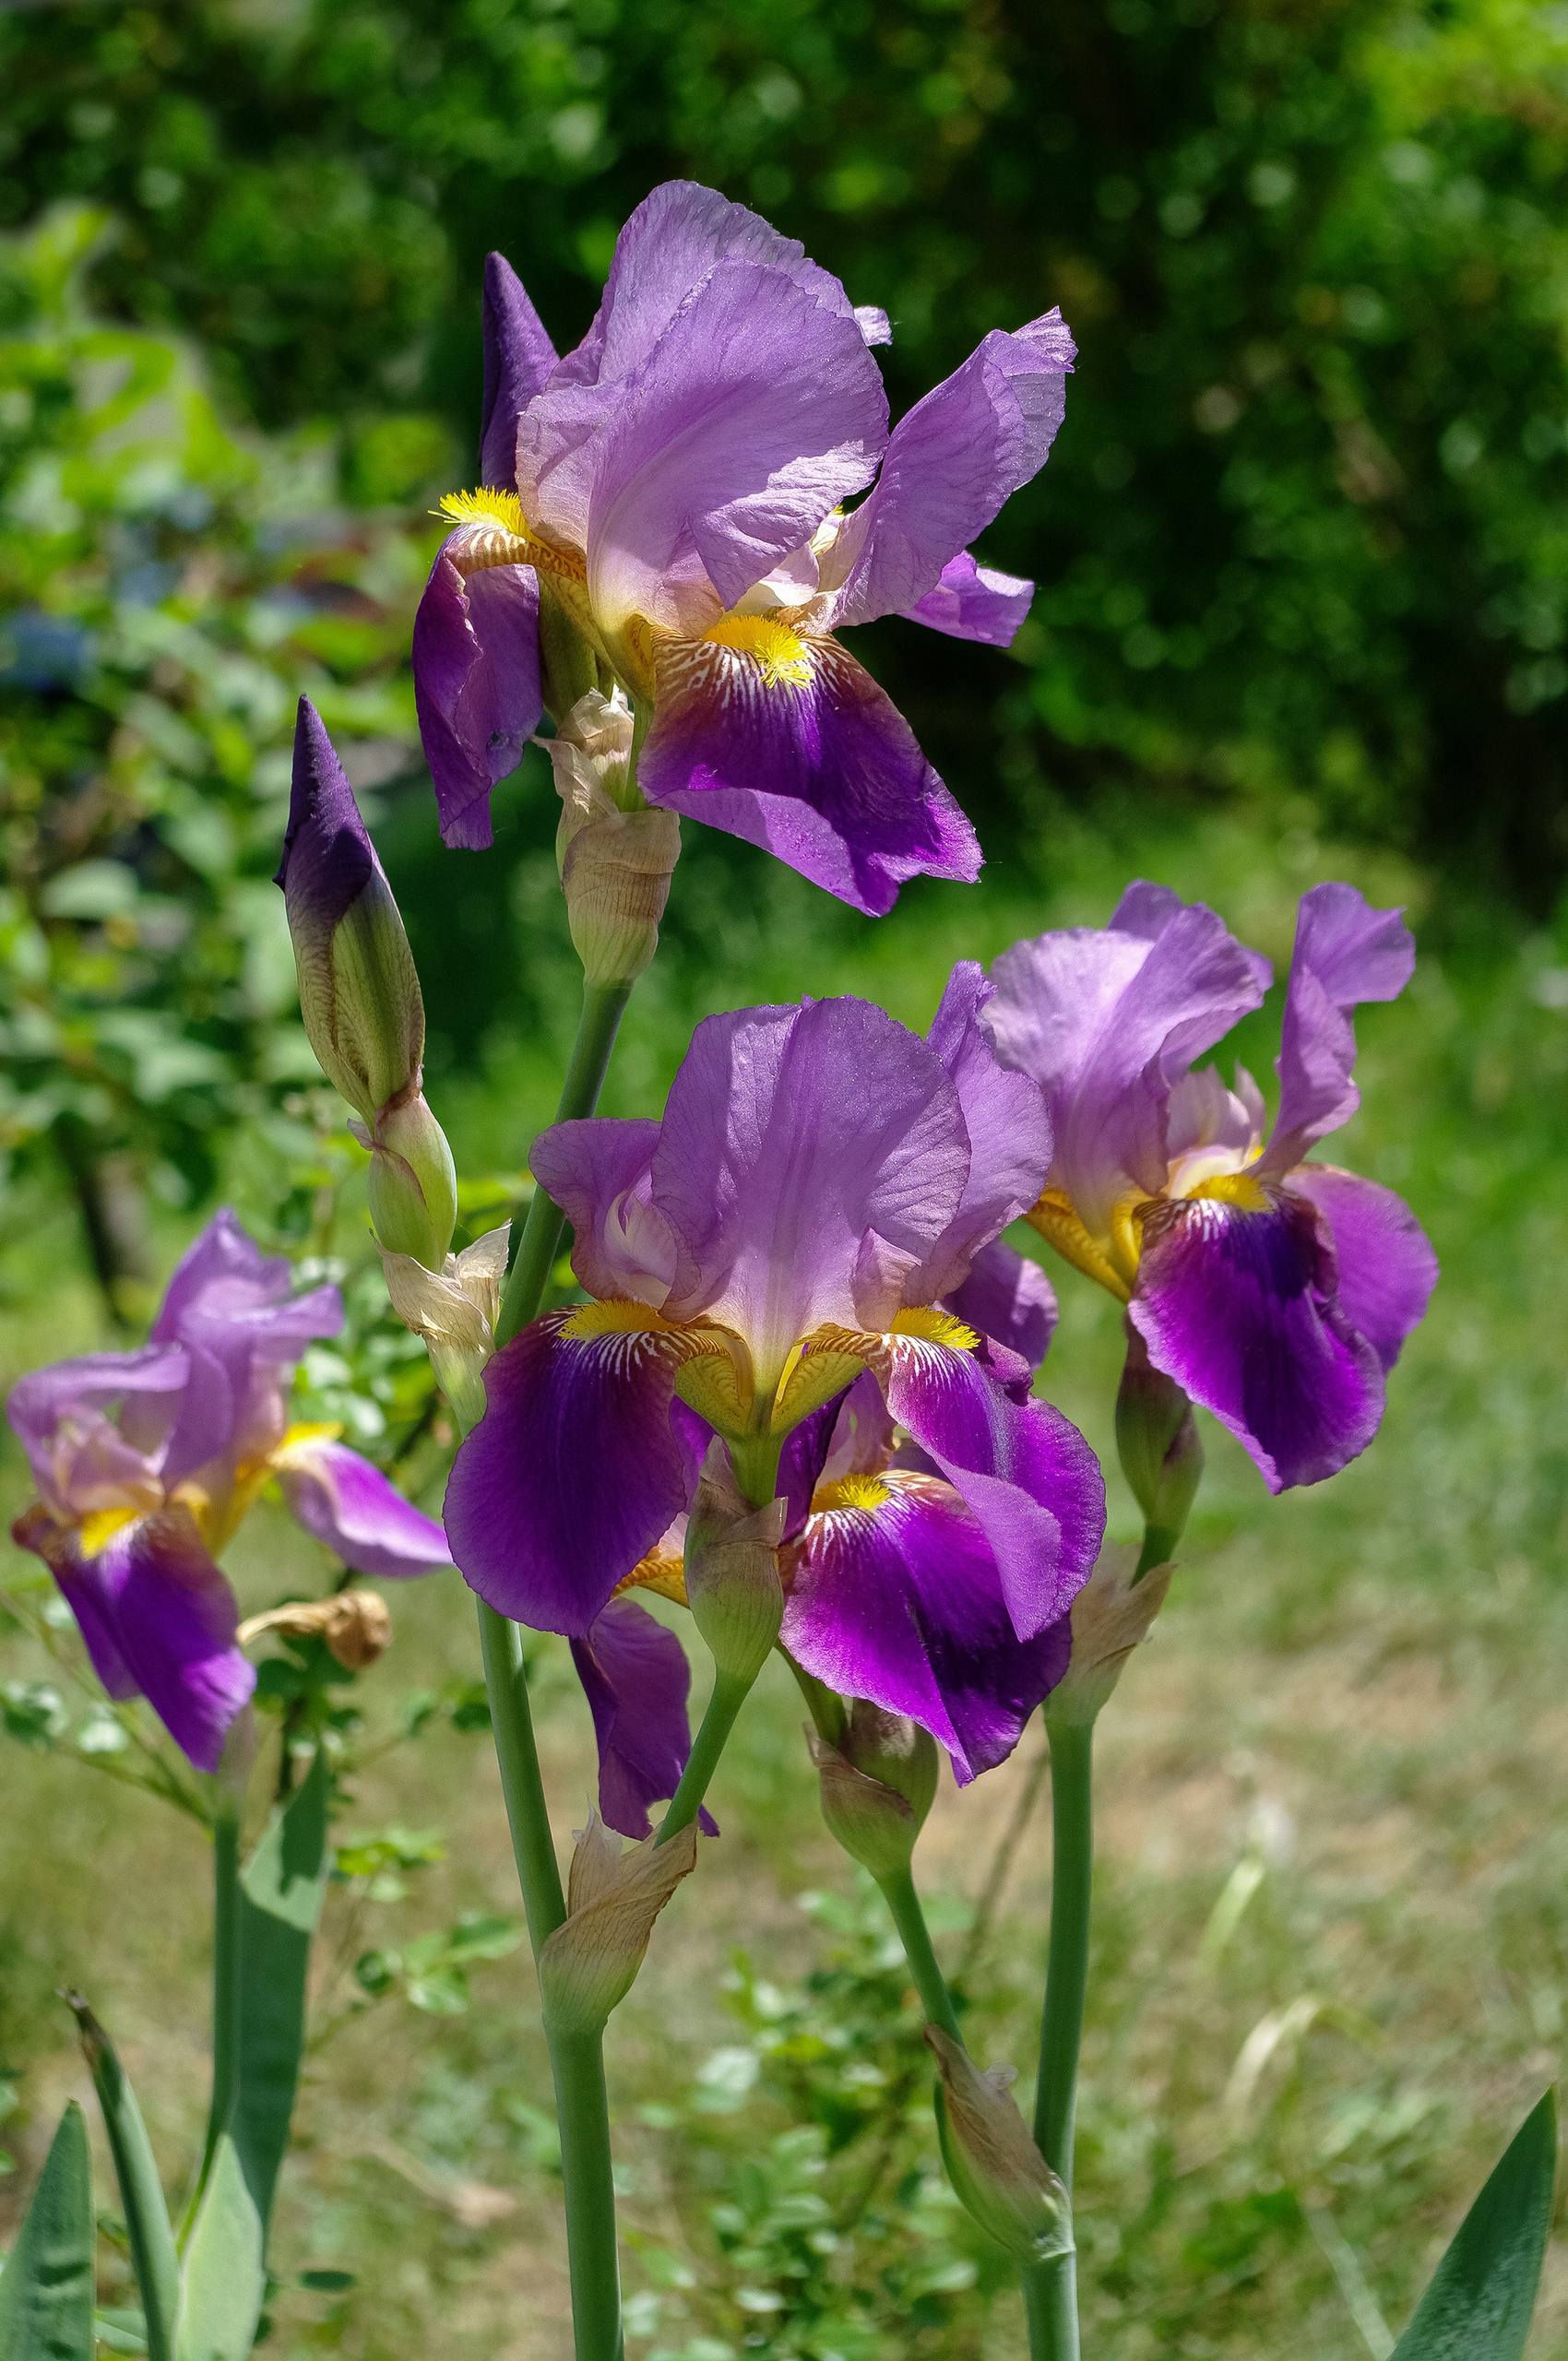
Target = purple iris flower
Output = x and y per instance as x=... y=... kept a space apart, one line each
x=803 y=1239
x=146 y=1462
x=672 y=493
x=1276 y=1292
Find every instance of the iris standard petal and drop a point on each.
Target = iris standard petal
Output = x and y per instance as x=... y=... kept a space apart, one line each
x=1005 y=1114
x=950 y=466
x=810 y=1157
x=80 y=1461
x=1238 y=1303
x=1023 y=1471
x=598 y=1169
x=359 y=1514
x=637 y=1680
x=973 y=601
x=518 y=358
x=574 y=1471
x=895 y=1596
x=788 y=743
x=1385 y=1263
x=1009 y=1299
x=476 y=684
x=1346 y=953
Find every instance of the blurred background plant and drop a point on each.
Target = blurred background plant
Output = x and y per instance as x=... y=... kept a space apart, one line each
x=1302 y=550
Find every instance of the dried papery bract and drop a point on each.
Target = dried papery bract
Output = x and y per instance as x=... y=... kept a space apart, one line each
x=998 y=2172
x=1112 y=1615
x=615 y=854
x=614 y=1894
x=356 y=1626
x=455 y=1310
x=731 y=1570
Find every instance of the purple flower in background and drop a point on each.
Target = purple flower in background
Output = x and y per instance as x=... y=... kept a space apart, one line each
x=146 y=1462
x=672 y=493
x=815 y=1206
x=1275 y=1291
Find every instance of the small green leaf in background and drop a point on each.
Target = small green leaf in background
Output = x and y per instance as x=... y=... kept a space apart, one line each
x=1479 y=2304
x=46 y=2290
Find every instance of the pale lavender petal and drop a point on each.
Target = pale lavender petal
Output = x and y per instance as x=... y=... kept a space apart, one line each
x=1241 y=1308
x=1108 y=1021
x=1346 y=953
x=1009 y=1130
x=808 y=1155
x=80 y=1461
x=1010 y=1299
x=824 y=771
x=360 y=1516
x=476 y=684
x=637 y=1680
x=974 y=602
x=902 y=1604
x=598 y=1172
x=1023 y=1471
x=518 y=358
x=1386 y=1266
x=950 y=466
x=573 y=1474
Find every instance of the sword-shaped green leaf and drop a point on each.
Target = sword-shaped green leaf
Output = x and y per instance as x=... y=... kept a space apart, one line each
x=1479 y=2304
x=46 y=2288
x=151 y=2240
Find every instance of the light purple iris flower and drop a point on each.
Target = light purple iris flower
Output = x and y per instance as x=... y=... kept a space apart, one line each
x=815 y=1206
x=674 y=492
x=146 y=1461
x=1276 y=1292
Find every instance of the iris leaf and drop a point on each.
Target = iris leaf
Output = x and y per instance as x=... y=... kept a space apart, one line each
x=47 y=2286
x=1478 y=2303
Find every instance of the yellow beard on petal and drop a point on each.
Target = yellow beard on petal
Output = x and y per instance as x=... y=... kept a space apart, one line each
x=937 y=1327
x=780 y=655
x=851 y=1492
x=98 y=1529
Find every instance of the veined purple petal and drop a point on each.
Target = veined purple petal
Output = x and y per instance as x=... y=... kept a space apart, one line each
x=901 y=1602
x=476 y=684
x=1009 y=1299
x=1385 y=1263
x=598 y=1172
x=518 y=358
x=158 y=1620
x=810 y=1157
x=1346 y=953
x=821 y=771
x=80 y=1462
x=1242 y=1308
x=362 y=1517
x=1107 y=1021
x=1023 y=1471
x=637 y=1680
x=974 y=602
x=573 y=1472
x=1009 y=1129
x=951 y=464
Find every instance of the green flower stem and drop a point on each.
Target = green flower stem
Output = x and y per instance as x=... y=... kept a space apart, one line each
x=602 y=1006
x=713 y=1735
x=1051 y=2291
x=225 y=1973
x=1160 y=1547
x=576 y=2065
x=898 y=1892
x=534 y=1846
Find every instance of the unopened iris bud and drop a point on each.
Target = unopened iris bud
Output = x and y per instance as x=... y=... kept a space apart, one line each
x=878 y=1785
x=616 y=855
x=1110 y=1616
x=999 y=2174
x=733 y=1585
x=455 y=1309
x=590 y=1963
x=414 y=1183
x=1158 y=1441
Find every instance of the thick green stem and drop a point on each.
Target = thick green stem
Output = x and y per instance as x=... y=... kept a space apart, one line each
x=1159 y=1547
x=602 y=1005
x=576 y=2063
x=225 y=1974
x=1051 y=2294
x=534 y=1846
x=713 y=1735
x=898 y=1892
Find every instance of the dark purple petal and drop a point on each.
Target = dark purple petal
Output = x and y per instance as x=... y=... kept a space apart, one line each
x=636 y=1678
x=1107 y=1021
x=598 y=1170
x=476 y=684
x=1009 y=1129
x=1242 y=1308
x=351 y=1507
x=158 y=1620
x=518 y=357
x=1009 y=1299
x=901 y=1603
x=823 y=772
x=1346 y=953
x=80 y=1461
x=810 y=1157
x=573 y=1472
x=951 y=464
x=974 y=602
x=1023 y=1469
x=1386 y=1266
x=339 y=858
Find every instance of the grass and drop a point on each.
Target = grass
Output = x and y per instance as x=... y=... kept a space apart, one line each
x=1332 y=1934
